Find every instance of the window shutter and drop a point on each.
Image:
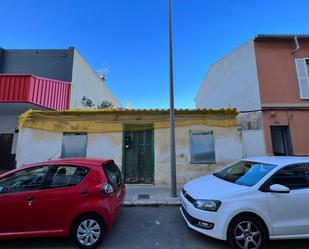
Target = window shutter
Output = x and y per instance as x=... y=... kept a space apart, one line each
x=302 y=75
x=202 y=147
x=74 y=145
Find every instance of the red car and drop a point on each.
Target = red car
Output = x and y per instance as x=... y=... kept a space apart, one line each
x=78 y=198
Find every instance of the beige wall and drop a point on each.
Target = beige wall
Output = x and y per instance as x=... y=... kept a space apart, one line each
x=228 y=147
x=37 y=145
x=105 y=145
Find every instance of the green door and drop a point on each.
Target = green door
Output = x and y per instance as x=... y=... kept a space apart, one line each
x=138 y=154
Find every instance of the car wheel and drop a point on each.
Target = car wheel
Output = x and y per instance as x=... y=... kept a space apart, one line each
x=87 y=232
x=246 y=232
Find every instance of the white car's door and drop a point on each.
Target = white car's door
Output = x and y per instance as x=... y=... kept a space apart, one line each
x=289 y=211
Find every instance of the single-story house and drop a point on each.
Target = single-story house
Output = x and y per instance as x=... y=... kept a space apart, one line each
x=138 y=140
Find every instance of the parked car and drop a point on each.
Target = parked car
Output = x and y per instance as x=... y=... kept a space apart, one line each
x=251 y=201
x=77 y=198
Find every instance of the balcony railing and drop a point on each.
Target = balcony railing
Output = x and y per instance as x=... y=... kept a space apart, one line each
x=27 y=88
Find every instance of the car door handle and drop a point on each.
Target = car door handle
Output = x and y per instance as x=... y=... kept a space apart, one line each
x=83 y=192
x=29 y=198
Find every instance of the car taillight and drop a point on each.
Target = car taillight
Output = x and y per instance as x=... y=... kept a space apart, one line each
x=107 y=189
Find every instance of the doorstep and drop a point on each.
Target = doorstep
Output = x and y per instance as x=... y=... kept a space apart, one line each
x=149 y=196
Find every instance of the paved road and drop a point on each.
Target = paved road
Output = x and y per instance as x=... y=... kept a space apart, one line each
x=148 y=228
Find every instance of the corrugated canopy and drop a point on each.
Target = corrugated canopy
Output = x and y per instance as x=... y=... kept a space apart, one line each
x=112 y=120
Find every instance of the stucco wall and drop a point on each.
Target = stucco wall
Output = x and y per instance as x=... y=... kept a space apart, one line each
x=253 y=143
x=298 y=122
x=231 y=82
x=105 y=145
x=277 y=71
x=85 y=82
x=38 y=145
x=228 y=147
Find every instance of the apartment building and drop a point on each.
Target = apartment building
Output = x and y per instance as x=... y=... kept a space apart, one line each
x=43 y=79
x=267 y=80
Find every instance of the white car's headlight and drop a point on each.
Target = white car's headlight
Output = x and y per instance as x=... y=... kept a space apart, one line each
x=208 y=205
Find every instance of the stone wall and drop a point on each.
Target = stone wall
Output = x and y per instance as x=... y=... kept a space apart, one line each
x=250 y=121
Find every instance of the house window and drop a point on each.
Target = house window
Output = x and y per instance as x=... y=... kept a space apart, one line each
x=302 y=69
x=74 y=145
x=202 y=147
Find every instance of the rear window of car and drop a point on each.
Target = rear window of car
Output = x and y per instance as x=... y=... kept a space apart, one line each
x=113 y=174
x=64 y=176
x=245 y=172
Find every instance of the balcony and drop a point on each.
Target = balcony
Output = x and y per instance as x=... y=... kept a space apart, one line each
x=30 y=89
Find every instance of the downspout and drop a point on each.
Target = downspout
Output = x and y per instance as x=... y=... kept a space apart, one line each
x=296 y=44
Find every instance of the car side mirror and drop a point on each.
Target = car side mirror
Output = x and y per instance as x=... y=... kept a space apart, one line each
x=278 y=188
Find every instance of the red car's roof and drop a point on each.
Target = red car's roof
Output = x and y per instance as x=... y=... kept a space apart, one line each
x=91 y=162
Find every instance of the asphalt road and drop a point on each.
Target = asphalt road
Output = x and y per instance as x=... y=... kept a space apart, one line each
x=148 y=228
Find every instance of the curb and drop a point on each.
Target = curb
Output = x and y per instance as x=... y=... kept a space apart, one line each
x=151 y=204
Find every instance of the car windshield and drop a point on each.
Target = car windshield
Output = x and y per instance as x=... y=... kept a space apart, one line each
x=245 y=172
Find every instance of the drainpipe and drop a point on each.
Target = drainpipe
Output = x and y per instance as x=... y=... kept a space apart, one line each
x=296 y=44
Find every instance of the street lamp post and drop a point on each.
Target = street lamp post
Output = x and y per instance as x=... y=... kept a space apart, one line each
x=172 y=121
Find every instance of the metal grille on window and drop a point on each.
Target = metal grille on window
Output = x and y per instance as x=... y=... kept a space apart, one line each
x=202 y=147
x=74 y=145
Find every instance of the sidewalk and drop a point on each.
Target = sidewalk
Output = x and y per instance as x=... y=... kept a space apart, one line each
x=149 y=195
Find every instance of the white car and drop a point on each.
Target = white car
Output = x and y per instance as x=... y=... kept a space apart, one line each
x=250 y=201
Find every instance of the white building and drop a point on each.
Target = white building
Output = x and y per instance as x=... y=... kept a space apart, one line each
x=232 y=81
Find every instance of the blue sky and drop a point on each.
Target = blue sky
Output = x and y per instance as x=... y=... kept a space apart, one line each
x=130 y=37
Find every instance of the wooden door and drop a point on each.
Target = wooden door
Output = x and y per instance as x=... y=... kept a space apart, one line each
x=138 y=154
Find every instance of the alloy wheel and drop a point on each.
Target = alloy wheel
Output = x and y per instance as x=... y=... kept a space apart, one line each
x=247 y=235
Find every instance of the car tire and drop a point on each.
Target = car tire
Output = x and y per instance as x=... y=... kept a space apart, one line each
x=246 y=232
x=87 y=231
